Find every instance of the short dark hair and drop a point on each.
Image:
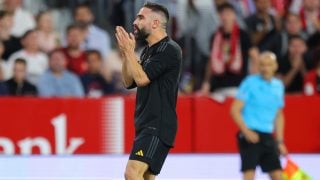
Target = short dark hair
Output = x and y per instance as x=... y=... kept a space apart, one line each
x=86 y=5
x=78 y=25
x=57 y=50
x=158 y=8
x=20 y=61
x=225 y=6
x=296 y=37
x=27 y=33
x=4 y=13
x=94 y=51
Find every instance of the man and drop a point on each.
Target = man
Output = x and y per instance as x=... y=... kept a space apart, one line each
x=22 y=19
x=96 y=38
x=95 y=82
x=156 y=75
x=228 y=61
x=18 y=85
x=76 y=58
x=262 y=26
x=37 y=61
x=310 y=15
x=257 y=111
x=293 y=66
x=11 y=43
x=57 y=81
x=292 y=27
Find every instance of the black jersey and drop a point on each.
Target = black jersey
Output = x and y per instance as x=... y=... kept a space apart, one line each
x=155 y=111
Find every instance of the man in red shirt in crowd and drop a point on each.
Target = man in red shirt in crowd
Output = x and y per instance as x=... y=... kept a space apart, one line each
x=76 y=58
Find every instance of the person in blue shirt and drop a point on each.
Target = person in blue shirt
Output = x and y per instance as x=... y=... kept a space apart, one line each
x=95 y=38
x=257 y=111
x=58 y=81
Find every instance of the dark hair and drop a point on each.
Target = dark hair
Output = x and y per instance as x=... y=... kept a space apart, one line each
x=158 y=9
x=4 y=13
x=57 y=50
x=80 y=26
x=296 y=37
x=225 y=6
x=93 y=51
x=20 y=61
x=27 y=33
x=86 y=5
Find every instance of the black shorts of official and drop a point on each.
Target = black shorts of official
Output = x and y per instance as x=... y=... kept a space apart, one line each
x=151 y=150
x=265 y=153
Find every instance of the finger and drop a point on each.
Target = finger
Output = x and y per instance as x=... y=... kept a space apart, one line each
x=132 y=37
x=124 y=32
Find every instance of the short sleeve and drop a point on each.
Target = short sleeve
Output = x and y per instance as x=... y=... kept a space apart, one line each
x=244 y=90
x=161 y=62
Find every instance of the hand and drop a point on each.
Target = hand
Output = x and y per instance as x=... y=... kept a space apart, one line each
x=282 y=149
x=297 y=63
x=126 y=42
x=205 y=89
x=251 y=136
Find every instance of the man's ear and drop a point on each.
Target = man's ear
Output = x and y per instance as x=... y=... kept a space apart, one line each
x=155 y=24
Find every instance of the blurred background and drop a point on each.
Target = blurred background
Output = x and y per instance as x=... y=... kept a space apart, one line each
x=61 y=90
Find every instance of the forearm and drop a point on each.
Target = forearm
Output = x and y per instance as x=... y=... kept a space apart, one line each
x=137 y=73
x=126 y=75
x=237 y=116
x=279 y=127
x=208 y=72
x=288 y=78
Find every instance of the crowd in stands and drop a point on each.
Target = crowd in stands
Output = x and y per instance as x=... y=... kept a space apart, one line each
x=221 y=42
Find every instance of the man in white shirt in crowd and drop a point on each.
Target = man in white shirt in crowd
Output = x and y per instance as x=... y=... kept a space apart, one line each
x=96 y=38
x=37 y=61
x=22 y=19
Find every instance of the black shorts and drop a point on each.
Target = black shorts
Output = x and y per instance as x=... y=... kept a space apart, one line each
x=264 y=153
x=151 y=150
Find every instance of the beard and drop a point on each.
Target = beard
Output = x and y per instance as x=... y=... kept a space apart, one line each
x=141 y=36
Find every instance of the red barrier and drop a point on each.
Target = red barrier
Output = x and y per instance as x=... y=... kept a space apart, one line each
x=214 y=128
x=62 y=126
x=82 y=126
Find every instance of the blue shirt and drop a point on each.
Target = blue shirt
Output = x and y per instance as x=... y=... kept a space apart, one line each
x=67 y=85
x=97 y=39
x=262 y=100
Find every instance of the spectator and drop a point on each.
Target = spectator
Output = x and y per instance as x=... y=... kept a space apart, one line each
x=3 y=64
x=18 y=85
x=94 y=82
x=95 y=38
x=37 y=61
x=310 y=15
x=262 y=25
x=22 y=19
x=11 y=43
x=228 y=63
x=58 y=81
x=292 y=68
x=293 y=27
x=48 y=38
x=312 y=79
x=76 y=59
x=196 y=21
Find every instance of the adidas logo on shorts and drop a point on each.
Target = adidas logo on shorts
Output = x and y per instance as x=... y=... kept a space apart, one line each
x=139 y=153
